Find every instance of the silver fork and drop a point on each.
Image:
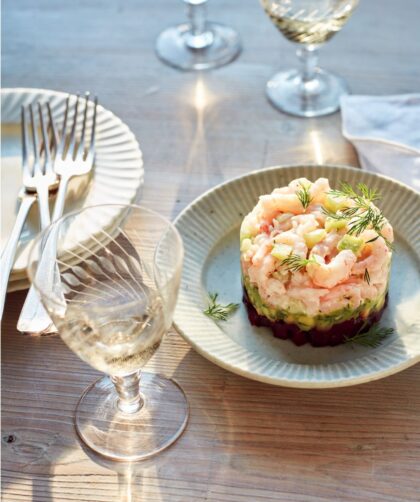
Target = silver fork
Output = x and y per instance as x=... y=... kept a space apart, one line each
x=72 y=159
x=37 y=179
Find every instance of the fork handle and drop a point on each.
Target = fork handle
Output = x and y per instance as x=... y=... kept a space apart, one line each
x=33 y=317
x=61 y=198
x=9 y=252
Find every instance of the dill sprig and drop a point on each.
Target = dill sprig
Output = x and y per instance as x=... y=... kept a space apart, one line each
x=363 y=214
x=294 y=262
x=366 y=276
x=304 y=196
x=218 y=311
x=363 y=198
x=371 y=338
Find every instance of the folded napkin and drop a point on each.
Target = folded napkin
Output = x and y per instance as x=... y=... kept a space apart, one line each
x=385 y=131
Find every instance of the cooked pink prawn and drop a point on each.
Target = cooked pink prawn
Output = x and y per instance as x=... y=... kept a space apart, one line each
x=304 y=223
x=327 y=248
x=375 y=254
x=319 y=190
x=268 y=287
x=310 y=296
x=330 y=274
x=388 y=232
x=296 y=241
x=293 y=186
x=262 y=251
x=343 y=294
x=274 y=204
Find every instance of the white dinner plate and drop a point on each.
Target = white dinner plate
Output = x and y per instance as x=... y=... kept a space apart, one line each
x=210 y=231
x=115 y=179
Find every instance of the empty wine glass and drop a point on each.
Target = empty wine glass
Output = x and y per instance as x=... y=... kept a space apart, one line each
x=310 y=91
x=110 y=287
x=198 y=44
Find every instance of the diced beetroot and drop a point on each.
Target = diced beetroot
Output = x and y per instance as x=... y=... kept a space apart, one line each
x=280 y=330
x=299 y=338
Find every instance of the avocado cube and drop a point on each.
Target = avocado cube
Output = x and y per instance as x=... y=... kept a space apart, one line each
x=281 y=251
x=245 y=245
x=351 y=242
x=312 y=238
x=334 y=204
x=333 y=224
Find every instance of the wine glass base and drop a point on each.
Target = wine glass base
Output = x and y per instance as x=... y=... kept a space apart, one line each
x=286 y=91
x=172 y=49
x=132 y=436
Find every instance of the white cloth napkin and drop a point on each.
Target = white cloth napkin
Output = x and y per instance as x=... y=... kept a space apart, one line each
x=385 y=131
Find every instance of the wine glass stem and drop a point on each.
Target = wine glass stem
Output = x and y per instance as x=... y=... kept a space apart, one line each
x=128 y=390
x=308 y=56
x=199 y=36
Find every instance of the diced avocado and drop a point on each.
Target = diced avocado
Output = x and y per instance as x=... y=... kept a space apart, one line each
x=334 y=204
x=245 y=245
x=351 y=242
x=307 y=321
x=312 y=238
x=295 y=314
x=281 y=251
x=333 y=224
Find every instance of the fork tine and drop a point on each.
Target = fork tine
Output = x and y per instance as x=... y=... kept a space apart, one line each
x=55 y=138
x=45 y=140
x=34 y=139
x=92 y=136
x=25 y=146
x=72 y=141
x=62 y=144
x=81 y=147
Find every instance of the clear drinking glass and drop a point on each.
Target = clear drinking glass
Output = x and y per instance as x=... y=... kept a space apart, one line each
x=198 y=44
x=310 y=91
x=109 y=276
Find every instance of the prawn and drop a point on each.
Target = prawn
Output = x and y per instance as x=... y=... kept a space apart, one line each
x=304 y=223
x=330 y=274
x=374 y=255
x=296 y=241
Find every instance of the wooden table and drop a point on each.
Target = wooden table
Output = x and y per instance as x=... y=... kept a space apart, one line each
x=246 y=441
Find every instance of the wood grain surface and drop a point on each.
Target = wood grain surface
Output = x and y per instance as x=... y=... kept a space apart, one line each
x=245 y=441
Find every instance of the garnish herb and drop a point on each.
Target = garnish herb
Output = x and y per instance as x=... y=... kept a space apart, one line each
x=304 y=196
x=365 y=196
x=366 y=276
x=294 y=262
x=218 y=311
x=363 y=215
x=371 y=338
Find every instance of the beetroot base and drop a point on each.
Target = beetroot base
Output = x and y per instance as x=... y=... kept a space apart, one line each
x=337 y=334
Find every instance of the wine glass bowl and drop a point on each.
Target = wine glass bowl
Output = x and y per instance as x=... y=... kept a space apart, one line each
x=111 y=297
x=310 y=91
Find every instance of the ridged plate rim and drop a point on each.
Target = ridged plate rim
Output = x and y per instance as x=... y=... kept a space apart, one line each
x=118 y=152
x=223 y=351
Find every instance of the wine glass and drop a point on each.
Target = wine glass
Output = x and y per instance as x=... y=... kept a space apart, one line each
x=109 y=281
x=310 y=91
x=198 y=44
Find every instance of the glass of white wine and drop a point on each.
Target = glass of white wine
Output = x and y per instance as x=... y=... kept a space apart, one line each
x=198 y=44
x=310 y=91
x=110 y=277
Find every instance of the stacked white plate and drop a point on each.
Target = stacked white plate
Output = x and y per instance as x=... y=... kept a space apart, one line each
x=115 y=179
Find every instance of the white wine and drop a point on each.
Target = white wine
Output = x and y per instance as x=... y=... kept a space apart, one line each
x=308 y=22
x=117 y=340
